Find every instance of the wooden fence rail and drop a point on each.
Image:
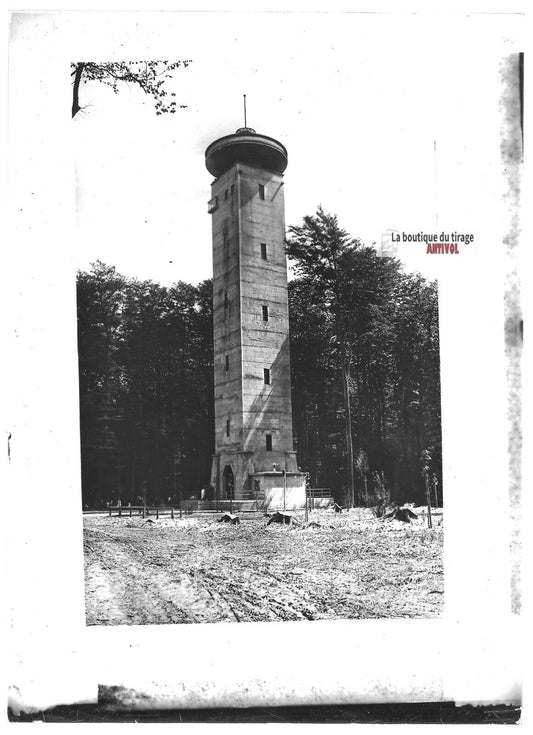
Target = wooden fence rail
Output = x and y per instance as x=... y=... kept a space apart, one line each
x=144 y=510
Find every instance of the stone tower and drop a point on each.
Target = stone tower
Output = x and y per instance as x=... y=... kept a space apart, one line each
x=253 y=414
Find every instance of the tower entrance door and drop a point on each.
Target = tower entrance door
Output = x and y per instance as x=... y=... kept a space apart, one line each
x=228 y=483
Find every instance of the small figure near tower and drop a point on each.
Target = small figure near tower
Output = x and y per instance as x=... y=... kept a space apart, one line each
x=254 y=458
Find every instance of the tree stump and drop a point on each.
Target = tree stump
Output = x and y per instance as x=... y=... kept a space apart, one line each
x=283 y=517
x=229 y=518
x=401 y=514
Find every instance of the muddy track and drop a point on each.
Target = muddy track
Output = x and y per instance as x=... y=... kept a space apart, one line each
x=200 y=571
x=135 y=589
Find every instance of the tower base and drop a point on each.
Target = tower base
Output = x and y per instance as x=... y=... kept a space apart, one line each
x=274 y=491
x=234 y=477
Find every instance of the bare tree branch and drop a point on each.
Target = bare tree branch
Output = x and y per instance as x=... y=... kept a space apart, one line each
x=111 y=73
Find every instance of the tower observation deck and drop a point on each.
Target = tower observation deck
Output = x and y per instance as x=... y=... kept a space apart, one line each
x=254 y=458
x=246 y=146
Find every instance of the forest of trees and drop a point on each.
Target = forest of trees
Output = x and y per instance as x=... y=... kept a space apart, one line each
x=365 y=377
x=146 y=387
x=365 y=368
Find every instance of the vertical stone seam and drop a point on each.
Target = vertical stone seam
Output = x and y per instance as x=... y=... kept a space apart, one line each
x=284 y=254
x=239 y=258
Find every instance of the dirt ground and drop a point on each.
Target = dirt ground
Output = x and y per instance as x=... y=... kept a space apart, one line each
x=197 y=570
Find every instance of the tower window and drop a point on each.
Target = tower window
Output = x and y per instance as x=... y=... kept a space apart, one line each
x=232 y=189
x=268 y=438
x=228 y=425
x=265 y=313
x=226 y=194
x=261 y=191
x=227 y=363
x=266 y=376
x=264 y=250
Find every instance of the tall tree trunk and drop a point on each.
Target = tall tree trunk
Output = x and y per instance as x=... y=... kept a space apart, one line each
x=306 y=439
x=133 y=478
x=76 y=89
x=319 y=453
x=348 y=427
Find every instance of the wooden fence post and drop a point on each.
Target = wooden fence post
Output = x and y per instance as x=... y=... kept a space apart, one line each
x=428 y=498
